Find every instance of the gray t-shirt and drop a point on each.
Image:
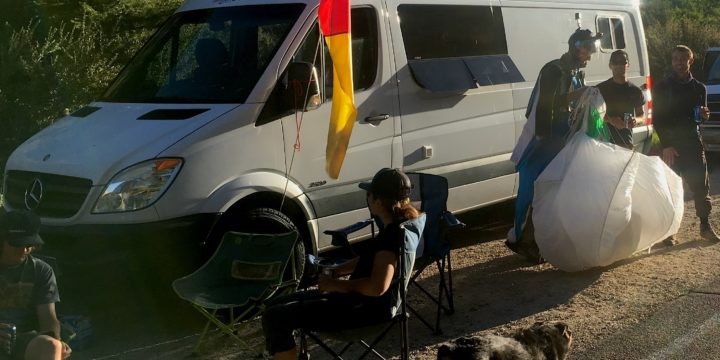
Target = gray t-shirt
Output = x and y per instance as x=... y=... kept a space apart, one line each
x=23 y=287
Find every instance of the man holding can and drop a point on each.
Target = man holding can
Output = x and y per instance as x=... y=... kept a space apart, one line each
x=680 y=105
x=29 y=328
x=624 y=101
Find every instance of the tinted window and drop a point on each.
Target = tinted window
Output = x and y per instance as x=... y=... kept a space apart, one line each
x=613 y=33
x=442 y=31
x=454 y=48
x=364 y=61
x=212 y=55
x=712 y=68
x=618 y=33
x=364 y=51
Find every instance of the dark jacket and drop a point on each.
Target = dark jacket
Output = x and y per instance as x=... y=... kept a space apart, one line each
x=674 y=101
x=553 y=85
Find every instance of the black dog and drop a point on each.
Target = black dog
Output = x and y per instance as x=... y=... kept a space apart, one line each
x=538 y=342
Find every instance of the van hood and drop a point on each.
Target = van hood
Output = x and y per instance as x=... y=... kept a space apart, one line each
x=104 y=137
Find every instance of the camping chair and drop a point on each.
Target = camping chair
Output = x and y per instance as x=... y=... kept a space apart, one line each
x=244 y=272
x=413 y=232
x=429 y=195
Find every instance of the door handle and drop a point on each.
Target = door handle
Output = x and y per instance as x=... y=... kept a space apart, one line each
x=376 y=119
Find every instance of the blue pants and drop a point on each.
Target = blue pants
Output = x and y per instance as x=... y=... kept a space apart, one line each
x=534 y=160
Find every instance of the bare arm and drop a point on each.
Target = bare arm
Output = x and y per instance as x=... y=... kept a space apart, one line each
x=47 y=320
x=639 y=115
x=375 y=285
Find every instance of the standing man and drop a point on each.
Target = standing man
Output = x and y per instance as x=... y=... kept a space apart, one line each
x=544 y=133
x=28 y=293
x=677 y=99
x=621 y=97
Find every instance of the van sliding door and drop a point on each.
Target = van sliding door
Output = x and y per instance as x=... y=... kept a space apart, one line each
x=455 y=77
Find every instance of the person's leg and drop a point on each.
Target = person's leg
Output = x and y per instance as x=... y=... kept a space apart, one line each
x=536 y=158
x=281 y=317
x=694 y=168
x=315 y=311
x=43 y=347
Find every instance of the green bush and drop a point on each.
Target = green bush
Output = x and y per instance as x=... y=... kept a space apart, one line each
x=694 y=23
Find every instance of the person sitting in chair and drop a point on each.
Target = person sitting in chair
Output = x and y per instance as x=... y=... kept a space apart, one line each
x=28 y=293
x=364 y=299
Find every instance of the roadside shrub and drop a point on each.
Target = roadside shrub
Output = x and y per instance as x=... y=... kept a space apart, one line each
x=663 y=36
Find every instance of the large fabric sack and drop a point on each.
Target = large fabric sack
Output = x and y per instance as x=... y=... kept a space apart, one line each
x=597 y=203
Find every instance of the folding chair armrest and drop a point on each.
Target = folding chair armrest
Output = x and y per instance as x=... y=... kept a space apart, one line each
x=452 y=222
x=340 y=236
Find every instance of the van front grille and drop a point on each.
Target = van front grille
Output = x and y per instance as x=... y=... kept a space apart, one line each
x=48 y=195
x=713 y=102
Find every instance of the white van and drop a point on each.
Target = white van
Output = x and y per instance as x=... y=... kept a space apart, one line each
x=199 y=134
x=710 y=129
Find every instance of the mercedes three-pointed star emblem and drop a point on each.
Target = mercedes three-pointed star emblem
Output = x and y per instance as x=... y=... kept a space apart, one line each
x=33 y=194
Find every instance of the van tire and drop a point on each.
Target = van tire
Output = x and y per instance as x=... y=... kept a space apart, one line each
x=271 y=221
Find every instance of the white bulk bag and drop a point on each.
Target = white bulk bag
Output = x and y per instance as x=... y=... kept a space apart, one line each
x=597 y=203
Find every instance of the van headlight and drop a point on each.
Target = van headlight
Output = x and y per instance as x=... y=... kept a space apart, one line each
x=138 y=186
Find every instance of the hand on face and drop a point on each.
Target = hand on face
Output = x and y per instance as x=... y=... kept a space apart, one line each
x=583 y=56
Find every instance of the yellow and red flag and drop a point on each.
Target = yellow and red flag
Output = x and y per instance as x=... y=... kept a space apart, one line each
x=334 y=19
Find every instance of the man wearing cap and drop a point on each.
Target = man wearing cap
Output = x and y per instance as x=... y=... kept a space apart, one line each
x=680 y=105
x=560 y=83
x=621 y=97
x=29 y=293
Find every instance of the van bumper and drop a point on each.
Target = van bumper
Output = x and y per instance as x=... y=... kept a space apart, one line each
x=711 y=137
x=107 y=243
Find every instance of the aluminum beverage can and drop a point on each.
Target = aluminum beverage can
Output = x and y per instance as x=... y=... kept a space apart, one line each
x=627 y=117
x=697 y=111
x=11 y=331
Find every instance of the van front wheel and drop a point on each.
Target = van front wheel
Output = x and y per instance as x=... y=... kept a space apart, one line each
x=271 y=221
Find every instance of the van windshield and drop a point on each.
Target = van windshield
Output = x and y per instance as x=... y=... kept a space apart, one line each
x=205 y=56
x=712 y=68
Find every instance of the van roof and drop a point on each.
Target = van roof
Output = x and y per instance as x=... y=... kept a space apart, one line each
x=713 y=49
x=203 y=4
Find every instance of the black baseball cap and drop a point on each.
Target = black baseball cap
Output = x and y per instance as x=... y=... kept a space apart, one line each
x=20 y=228
x=388 y=183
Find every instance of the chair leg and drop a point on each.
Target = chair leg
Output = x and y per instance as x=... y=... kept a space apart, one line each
x=370 y=348
x=422 y=319
x=227 y=329
x=442 y=292
x=449 y=293
x=325 y=347
x=196 y=349
x=405 y=339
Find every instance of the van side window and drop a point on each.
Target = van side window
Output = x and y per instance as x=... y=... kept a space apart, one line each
x=456 y=47
x=613 y=33
x=711 y=67
x=442 y=31
x=364 y=22
x=364 y=30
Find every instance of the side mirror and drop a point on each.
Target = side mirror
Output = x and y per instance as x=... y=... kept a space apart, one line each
x=303 y=86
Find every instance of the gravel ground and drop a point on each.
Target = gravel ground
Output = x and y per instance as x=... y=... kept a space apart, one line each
x=497 y=291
